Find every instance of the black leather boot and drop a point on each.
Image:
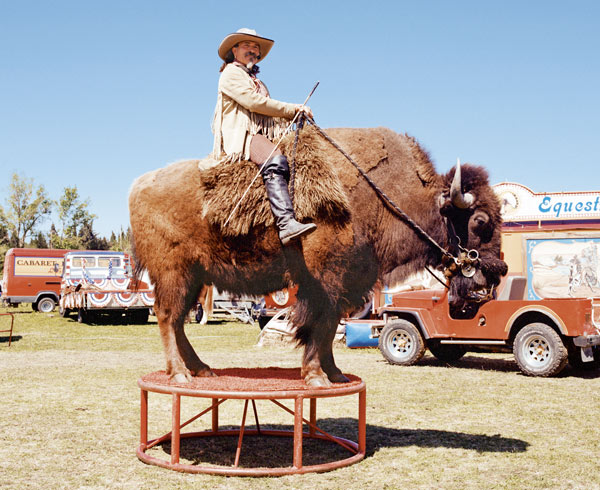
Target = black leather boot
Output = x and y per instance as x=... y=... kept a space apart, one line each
x=275 y=176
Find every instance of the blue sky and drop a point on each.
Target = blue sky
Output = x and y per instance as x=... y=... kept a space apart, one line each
x=95 y=93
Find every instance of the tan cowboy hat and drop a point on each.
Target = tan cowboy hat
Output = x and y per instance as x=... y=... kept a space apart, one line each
x=245 y=34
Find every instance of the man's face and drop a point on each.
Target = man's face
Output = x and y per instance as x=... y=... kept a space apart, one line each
x=246 y=52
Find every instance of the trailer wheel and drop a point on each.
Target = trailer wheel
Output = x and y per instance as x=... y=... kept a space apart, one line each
x=446 y=352
x=539 y=350
x=46 y=305
x=81 y=316
x=140 y=316
x=263 y=320
x=401 y=343
x=199 y=313
x=64 y=312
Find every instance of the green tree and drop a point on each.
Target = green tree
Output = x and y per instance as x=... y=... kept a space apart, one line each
x=89 y=240
x=122 y=242
x=26 y=207
x=73 y=215
x=4 y=238
x=39 y=241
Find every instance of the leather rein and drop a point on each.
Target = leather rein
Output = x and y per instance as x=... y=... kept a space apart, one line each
x=464 y=262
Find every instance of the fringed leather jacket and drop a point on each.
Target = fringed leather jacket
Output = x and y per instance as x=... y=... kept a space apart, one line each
x=244 y=109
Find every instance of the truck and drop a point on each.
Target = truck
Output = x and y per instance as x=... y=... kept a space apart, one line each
x=33 y=275
x=102 y=282
x=543 y=335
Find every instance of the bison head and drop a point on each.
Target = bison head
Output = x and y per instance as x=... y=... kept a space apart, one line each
x=471 y=212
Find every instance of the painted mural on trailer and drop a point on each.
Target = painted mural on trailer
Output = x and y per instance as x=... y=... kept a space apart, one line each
x=563 y=268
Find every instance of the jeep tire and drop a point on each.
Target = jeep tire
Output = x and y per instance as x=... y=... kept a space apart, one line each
x=539 y=350
x=401 y=343
x=447 y=352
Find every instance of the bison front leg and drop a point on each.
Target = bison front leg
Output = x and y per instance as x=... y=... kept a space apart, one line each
x=318 y=366
x=171 y=309
x=317 y=325
x=182 y=360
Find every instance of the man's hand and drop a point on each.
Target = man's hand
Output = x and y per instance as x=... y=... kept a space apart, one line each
x=305 y=109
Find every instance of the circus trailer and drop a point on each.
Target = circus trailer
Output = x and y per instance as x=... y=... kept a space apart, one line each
x=97 y=283
x=33 y=275
x=553 y=239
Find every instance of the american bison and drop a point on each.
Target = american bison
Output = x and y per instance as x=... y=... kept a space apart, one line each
x=178 y=216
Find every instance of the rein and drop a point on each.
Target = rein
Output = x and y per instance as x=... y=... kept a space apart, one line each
x=463 y=263
x=420 y=232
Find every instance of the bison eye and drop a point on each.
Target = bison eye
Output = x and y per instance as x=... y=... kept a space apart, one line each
x=478 y=222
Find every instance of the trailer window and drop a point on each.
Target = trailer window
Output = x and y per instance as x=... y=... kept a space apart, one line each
x=104 y=261
x=89 y=261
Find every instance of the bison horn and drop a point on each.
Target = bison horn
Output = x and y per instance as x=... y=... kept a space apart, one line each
x=460 y=200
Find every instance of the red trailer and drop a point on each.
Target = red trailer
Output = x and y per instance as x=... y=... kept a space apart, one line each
x=32 y=275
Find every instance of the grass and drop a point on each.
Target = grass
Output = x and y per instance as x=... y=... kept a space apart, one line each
x=69 y=415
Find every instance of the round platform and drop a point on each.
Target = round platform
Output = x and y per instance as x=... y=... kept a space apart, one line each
x=251 y=384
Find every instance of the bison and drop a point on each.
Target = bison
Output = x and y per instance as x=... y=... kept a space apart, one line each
x=358 y=239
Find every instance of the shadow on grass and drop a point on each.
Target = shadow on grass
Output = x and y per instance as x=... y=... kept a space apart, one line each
x=475 y=362
x=501 y=365
x=110 y=320
x=277 y=452
x=15 y=338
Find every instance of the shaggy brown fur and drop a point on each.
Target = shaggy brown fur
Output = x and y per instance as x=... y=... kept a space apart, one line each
x=318 y=196
x=334 y=267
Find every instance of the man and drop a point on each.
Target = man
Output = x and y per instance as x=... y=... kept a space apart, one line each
x=247 y=121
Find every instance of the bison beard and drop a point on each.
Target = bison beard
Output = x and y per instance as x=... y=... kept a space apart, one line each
x=179 y=237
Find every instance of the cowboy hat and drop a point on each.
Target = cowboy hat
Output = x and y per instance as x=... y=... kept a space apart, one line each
x=245 y=34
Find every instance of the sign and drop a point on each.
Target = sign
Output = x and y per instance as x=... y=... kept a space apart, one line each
x=38 y=266
x=521 y=204
x=563 y=267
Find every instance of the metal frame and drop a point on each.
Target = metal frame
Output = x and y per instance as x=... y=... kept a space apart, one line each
x=12 y=322
x=218 y=397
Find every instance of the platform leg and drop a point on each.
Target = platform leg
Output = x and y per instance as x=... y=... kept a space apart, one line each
x=238 y=451
x=313 y=416
x=362 y=421
x=144 y=418
x=215 y=414
x=298 y=406
x=175 y=428
x=256 y=416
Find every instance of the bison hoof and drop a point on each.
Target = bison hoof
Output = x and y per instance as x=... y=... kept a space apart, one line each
x=181 y=378
x=338 y=378
x=317 y=381
x=205 y=373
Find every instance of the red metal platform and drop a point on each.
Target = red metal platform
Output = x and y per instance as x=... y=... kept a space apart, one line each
x=271 y=384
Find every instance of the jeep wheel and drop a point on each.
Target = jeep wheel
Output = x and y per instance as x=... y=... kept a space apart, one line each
x=539 y=350
x=46 y=305
x=401 y=343
x=446 y=352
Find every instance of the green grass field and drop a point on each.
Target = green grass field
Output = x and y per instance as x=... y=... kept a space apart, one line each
x=69 y=415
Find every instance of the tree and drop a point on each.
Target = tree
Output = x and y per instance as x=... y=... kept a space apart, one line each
x=39 y=241
x=89 y=240
x=4 y=238
x=55 y=241
x=26 y=207
x=74 y=216
x=122 y=242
